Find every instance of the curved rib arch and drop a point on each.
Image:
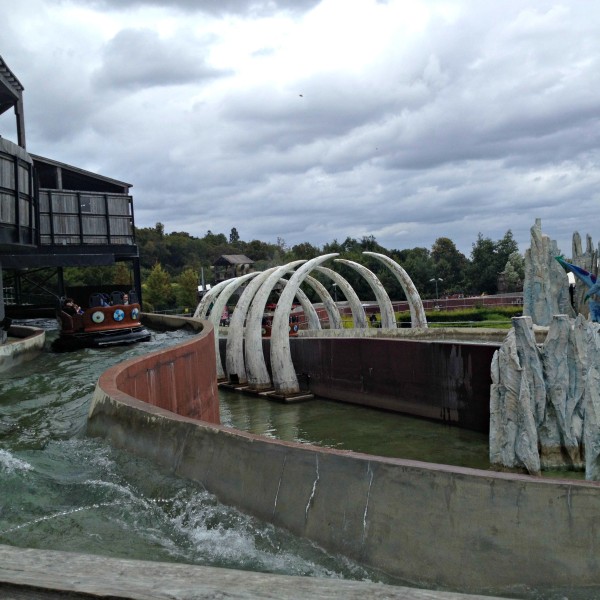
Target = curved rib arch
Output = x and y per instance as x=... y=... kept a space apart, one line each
x=333 y=312
x=415 y=304
x=307 y=306
x=234 y=354
x=388 y=319
x=202 y=308
x=284 y=375
x=358 y=312
x=217 y=310
x=256 y=368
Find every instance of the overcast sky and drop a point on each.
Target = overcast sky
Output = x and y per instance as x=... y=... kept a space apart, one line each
x=317 y=120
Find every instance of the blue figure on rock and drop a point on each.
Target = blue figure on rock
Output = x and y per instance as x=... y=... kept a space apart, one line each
x=593 y=286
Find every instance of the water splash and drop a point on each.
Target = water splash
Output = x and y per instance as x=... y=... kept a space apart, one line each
x=10 y=463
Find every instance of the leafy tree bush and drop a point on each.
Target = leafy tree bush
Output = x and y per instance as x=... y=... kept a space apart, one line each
x=157 y=289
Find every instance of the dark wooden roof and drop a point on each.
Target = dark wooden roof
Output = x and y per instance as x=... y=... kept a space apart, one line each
x=233 y=259
x=11 y=89
x=80 y=175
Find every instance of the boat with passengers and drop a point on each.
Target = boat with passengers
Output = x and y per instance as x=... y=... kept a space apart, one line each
x=110 y=319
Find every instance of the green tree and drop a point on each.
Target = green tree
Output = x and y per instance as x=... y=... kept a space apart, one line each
x=449 y=265
x=304 y=251
x=514 y=272
x=157 y=288
x=186 y=291
x=418 y=264
x=122 y=276
x=234 y=236
x=488 y=259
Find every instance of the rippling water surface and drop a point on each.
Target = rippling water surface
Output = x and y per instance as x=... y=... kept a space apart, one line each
x=61 y=490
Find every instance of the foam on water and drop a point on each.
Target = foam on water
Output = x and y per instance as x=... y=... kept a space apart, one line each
x=64 y=491
x=9 y=463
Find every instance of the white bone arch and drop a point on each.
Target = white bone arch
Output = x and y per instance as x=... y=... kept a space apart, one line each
x=202 y=308
x=388 y=319
x=358 y=312
x=256 y=368
x=234 y=354
x=415 y=304
x=284 y=374
x=333 y=312
x=217 y=310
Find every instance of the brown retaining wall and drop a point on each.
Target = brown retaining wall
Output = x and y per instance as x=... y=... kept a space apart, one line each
x=438 y=380
x=444 y=380
x=181 y=379
x=433 y=525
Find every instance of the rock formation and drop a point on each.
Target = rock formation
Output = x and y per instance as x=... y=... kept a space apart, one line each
x=546 y=286
x=545 y=398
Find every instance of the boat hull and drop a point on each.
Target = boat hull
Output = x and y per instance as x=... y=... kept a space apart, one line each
x=99 y=327
x=100 y=339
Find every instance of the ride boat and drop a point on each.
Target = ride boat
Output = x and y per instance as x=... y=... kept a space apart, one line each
x=110 y=320
x=267 y=320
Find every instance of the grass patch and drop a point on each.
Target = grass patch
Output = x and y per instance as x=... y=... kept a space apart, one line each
x=497 y=317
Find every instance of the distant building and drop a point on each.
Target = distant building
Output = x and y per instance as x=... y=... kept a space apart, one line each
x=231 y=265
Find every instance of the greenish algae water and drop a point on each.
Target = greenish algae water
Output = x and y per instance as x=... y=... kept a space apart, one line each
x=60 y=490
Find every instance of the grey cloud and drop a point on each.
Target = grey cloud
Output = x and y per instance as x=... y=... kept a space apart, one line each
x=217 y=7
x=139 y=58
x=483 y=124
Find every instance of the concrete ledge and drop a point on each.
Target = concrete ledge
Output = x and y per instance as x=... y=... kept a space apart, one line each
x=25 y=343
x=476 y=335
x=432 y=525
x=39 y=574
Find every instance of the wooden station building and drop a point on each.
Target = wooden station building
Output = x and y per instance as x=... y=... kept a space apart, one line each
x=54 y=215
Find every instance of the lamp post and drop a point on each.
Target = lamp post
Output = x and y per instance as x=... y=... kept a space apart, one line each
x=436 y=279
x=334 y=292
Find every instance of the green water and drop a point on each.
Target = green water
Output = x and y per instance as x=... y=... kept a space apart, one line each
x=60 y=490
x=349 y=427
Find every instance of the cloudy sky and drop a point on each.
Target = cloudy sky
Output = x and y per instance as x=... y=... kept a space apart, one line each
x=314 y=120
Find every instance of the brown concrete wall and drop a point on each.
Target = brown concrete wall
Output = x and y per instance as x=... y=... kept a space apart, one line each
x=443 y=380
x=181 y=379
x=434 y=379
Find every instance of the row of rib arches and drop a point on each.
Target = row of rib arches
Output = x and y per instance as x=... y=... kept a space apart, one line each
x=245 y=362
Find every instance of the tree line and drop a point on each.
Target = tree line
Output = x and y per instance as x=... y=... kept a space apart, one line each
x=172 y=263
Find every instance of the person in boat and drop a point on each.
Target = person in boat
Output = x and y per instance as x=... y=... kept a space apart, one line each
x=125 y=299
x=71 y=307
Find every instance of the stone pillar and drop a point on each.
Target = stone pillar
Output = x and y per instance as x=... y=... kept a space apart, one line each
x=546 y=286
x=517 y=400
x=586 y=260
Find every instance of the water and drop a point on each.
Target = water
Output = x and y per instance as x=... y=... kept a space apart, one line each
x=60 y=490
x=349 y=427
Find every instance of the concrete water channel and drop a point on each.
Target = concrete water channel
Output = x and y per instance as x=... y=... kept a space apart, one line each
x=65 y=491
x=61 y=490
